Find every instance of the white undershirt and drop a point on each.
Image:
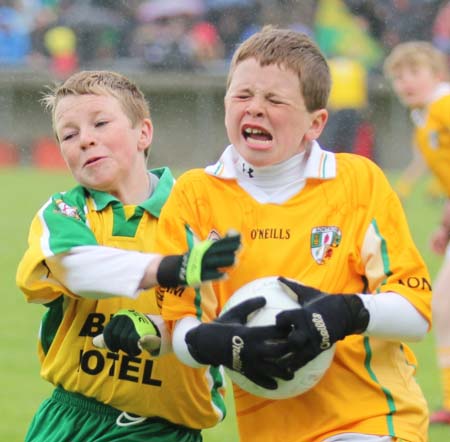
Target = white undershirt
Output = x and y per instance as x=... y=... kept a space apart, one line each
x=272 y=184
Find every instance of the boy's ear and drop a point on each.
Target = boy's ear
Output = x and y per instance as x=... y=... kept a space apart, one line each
x=146 y=135
x=318 y=120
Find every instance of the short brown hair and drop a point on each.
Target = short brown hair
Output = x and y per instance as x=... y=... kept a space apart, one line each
x=294 y=51
x=111 y=83
x=413 y=54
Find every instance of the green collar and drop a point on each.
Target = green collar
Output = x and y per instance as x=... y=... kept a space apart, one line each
x=152 y=205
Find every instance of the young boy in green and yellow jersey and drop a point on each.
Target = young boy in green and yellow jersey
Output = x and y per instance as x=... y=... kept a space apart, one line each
x=90 y=254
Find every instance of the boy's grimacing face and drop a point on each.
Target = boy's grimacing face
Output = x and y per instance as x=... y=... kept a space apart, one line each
x=265 y=114
x=414 y=85
x=98 y=142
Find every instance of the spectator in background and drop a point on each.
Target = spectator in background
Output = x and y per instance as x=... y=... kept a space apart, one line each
x=419 y=75
x=15 y=41
x=289 y=14
x=42 y=16
x=395 y=21
x=336 y=30
x=441 y=29
x=102 y=28
x=173 y=35
x=232 y=18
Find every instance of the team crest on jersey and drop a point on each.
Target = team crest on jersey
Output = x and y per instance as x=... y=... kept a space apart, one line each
x=65 y=209
x=323 y=240
x=433 y=139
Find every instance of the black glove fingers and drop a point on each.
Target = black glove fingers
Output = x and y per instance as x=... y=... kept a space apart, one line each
x=130 y=343
x=227 y=243
x=304 y=293
x=290 y=319
x=291 y=362
x=119 y=334
x=274 y=370
x=273 y=349
x=111 y=333
x=215 y=260
x=239 y=313
x=262 y=380
x=211 y=274
x=128 y=338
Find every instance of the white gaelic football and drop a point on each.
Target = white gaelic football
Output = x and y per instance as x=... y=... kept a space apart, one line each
x=276 y=301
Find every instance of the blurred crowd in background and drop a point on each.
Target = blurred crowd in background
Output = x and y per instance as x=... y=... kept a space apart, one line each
x=61 y=36
x=194 y=34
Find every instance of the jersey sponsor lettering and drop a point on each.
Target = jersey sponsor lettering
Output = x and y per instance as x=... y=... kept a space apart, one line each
x=120 y=366
x=270 y=233
x=160 y=293
x=117 y=365
x=415 y=282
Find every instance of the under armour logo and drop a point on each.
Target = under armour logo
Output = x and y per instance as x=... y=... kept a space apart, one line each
x=248 y=171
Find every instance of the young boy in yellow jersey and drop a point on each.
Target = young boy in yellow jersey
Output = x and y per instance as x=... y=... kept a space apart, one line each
x=331 y=221
x=419 y=75
x=89 y=255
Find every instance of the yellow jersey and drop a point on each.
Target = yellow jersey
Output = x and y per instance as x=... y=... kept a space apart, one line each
x=344 y=232
x=141 y=385
x=432 y=135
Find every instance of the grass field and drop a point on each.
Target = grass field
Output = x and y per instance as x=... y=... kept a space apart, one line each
x=23 y=191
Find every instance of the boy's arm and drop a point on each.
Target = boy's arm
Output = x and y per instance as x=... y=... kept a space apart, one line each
x=64 y=257
x=441 y=236
x=100 y=272
x=409 y=176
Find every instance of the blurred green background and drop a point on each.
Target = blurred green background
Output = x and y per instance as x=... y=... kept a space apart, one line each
x=23 y=191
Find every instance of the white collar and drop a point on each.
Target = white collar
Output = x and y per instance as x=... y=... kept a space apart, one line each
x=275 y=184
x=320 y=164
x=418 y=116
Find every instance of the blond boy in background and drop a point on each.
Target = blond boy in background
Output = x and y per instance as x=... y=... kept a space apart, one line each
x=419 y=76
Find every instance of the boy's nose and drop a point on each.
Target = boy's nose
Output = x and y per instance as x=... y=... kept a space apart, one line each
x=87 y=139
x=255 y=108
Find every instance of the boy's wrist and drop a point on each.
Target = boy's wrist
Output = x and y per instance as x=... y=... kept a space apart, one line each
x=445 y=222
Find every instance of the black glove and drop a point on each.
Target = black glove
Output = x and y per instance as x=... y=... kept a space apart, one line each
x=131 y=332
x=201 y=263
x=322 y=320
x=251 y=351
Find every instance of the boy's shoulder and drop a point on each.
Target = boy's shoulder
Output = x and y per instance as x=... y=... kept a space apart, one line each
x=74 y=196
x=351 y=163
x=191 y=175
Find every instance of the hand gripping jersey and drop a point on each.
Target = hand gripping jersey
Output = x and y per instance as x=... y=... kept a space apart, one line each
x=142 y=385
x=432 y=135
x=344 y=232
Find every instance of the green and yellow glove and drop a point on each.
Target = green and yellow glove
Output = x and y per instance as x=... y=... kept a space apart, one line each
x=131 y=332
x=206 y=261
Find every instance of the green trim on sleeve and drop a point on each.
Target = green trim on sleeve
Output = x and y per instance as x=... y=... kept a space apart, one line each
x=384 y=250
x=50 y=322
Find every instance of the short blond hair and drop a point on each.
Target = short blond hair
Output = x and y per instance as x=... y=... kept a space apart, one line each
x=414 y=54
x=128 y=94
x=292 y=50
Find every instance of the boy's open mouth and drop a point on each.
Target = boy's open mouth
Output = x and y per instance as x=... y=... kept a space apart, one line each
x=257 y=134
